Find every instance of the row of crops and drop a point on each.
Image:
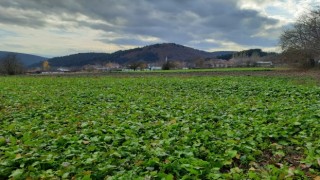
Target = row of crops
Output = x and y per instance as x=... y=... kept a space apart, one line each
x=158 y=128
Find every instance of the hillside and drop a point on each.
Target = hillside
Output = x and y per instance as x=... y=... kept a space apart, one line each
x=26 y=59
x=246 y=53
x=252 y=52
x=159 y=52
x=80 y=59
x=149 y=54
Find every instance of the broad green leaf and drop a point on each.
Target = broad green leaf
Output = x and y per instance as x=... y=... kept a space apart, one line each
x=16 y=174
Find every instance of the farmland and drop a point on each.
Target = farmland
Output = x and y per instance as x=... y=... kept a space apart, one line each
x=172 y=127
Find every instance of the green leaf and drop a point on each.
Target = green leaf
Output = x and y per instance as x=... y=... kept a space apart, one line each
x=2 y=141
x=231 y=153
x=65 y=175
x=297 y=123
x=17 y=173
x=86 y=177
x=169 y=177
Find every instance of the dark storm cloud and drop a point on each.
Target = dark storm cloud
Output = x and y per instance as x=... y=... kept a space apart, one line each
x=180 y=21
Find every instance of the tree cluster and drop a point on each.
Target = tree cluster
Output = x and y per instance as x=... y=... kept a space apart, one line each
x=137 y=65
x=11 y=65
x=301 y=43
x=169 y=65
x=250 y=58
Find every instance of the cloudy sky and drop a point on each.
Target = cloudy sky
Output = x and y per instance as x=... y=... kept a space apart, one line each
x=61 y=27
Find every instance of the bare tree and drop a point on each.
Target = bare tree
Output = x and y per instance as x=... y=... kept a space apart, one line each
x=303 y=38
x=169 y=65
x=138 y=65
x=200 y=63
x=11 y=65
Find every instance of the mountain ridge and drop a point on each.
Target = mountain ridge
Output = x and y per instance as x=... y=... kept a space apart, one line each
x=149 y=54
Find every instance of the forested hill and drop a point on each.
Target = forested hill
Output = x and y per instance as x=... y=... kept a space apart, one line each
x=26 y=59
x=246 y=53
x=148 y=54
x=253 y=52
x=80 y=59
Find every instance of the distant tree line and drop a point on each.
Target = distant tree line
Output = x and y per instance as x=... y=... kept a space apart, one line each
x=250 y=53
x=246 y=53
x=225 y=56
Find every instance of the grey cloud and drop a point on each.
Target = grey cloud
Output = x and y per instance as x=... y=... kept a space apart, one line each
x=179 y=21
x=124 y=41
x=4 y=34
x=204 y=45
x=14 y=45
x=17 y=17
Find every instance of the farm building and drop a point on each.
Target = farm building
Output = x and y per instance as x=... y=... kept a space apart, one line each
x=264 y=64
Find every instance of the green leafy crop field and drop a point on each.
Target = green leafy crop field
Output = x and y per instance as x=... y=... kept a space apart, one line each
x=159 y=128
